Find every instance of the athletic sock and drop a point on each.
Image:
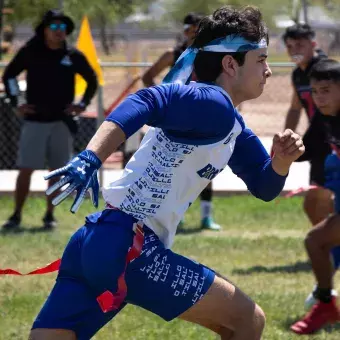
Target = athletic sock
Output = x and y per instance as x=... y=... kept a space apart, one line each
x=323 y=294
x=206 y=209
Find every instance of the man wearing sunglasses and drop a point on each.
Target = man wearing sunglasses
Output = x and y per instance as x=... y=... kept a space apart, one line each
x=48 y=114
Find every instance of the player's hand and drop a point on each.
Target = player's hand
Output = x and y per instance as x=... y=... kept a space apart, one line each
x=24 y=109
x=81 y=175
x=288 y=146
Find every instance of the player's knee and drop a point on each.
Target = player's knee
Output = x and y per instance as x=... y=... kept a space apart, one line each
x=251 y=323
x=309 y=203
x=254 y=321
x=259 y=319
x=311 y=241
x=317 y=196
x=253 y=318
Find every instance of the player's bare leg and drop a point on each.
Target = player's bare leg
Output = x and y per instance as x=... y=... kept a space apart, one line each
x=51 y=334
x=227 y=311
x=318 y=204
x=319 y=243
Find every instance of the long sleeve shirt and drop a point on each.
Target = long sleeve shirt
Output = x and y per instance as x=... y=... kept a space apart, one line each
x=50 y=76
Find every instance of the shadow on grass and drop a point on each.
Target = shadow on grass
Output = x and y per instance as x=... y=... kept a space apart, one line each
x=27 y=230
x=292 y=268
x=188 y=230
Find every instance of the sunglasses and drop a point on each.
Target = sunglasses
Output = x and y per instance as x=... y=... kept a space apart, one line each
x=55 y=27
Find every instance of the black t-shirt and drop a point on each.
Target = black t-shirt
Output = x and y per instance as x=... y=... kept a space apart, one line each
x=315 y=140
x=332 y=130
x=301 y=83
x=50 y=78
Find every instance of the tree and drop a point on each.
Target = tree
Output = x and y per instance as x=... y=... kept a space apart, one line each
x=269 y=8
x=332 y=7
x=29 y=11
x=100 y=12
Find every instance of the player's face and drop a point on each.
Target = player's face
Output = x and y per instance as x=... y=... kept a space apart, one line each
x=253 y=73
x=300 y=50
x=326 y=95
x=55 y=32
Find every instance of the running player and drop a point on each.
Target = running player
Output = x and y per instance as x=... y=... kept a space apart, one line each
x=122 y=254
x=324 y=238
x=168 y=59
x=301 y=47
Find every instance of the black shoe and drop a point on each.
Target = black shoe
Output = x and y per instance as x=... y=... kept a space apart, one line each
x=13 y=222
x=49 y=221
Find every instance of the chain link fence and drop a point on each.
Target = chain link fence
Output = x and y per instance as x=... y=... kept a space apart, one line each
x=265 y=115
x=10 y=126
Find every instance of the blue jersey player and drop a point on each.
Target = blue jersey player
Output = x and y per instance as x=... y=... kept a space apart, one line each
x=122 y=254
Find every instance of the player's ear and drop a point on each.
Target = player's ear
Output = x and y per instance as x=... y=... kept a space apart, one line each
x=229 y=65
x=313 y=43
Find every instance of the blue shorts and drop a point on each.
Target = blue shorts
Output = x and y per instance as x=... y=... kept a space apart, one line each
x=159 y=280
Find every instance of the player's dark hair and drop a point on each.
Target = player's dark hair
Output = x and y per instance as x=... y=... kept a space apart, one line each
x=192 y=18
x=299 y=31
x=246 y=22
x=326 y=69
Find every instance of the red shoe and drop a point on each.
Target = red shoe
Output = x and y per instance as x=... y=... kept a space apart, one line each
x=321 y=315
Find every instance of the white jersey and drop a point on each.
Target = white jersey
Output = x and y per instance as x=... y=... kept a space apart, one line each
x=163 y=178
x=194 y=134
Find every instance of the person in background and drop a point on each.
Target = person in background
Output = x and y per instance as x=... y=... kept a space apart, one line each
x=301 y=47
x=48 y=124
x=122 y=255
x=166 y=60
x=323 y=241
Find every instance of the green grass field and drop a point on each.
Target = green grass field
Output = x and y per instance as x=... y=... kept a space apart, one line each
x=260 y=249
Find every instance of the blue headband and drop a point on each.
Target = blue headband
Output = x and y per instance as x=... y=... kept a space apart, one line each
x=183 y=68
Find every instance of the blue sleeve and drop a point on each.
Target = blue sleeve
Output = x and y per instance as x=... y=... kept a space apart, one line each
x=251 y=162
x=143 y=107
x=186 y=114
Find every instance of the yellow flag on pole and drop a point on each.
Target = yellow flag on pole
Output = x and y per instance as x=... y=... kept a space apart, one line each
x=86 y=45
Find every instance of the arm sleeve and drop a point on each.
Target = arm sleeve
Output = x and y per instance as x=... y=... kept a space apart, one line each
x=185 y=114
x=13 y=69
x=86 y=71
x=138 y=109
x=251 y=162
